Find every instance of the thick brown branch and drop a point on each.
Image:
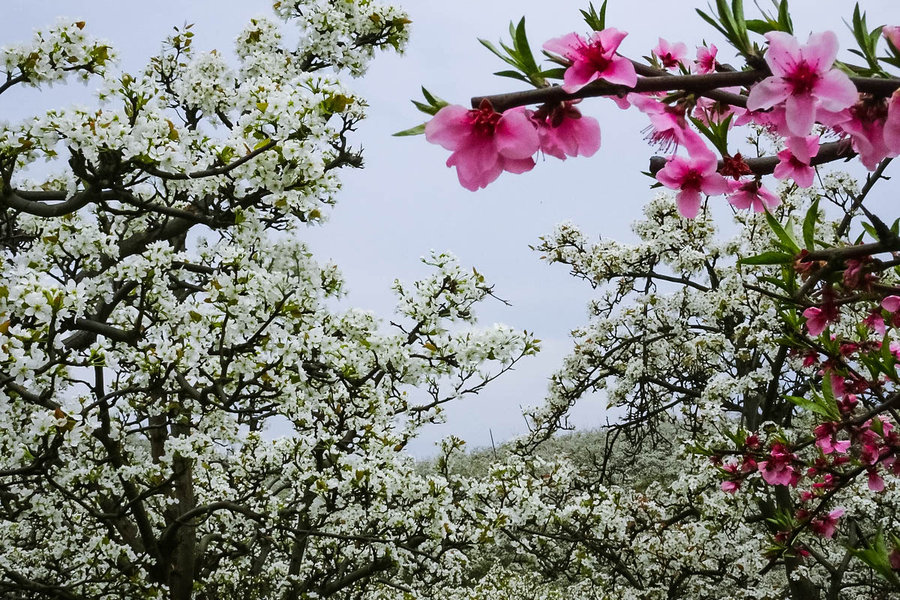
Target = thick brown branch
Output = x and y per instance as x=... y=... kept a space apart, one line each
x=654 y=83
x=32 y=202
x=709 y=85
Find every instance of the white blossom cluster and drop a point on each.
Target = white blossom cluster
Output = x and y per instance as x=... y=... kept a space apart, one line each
x=183 y=415
x=685 y=345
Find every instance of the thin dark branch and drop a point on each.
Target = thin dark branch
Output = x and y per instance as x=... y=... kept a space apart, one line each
x=213 y=171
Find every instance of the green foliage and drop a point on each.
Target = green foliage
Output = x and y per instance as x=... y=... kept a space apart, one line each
x=519 y=56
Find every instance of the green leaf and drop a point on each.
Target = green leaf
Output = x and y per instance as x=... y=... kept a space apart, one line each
x=809 y=225
x=521 y=43
x=787 y=242
x=417 y=130
x=876 y=557
x=829 y=402
x=812 y=405
x=784 y=18
x=497 y=53
x=737 y=11
x=428 y=96
x=595 y=21
x=553 y=73
x=761 y=26
x=712 y=22
x=768 y=258
x=434 y=104
x=512 y=75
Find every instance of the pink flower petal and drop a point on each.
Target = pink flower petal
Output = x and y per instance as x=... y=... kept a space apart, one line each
x=714 y=184
x=783 y=53
x=476 y=166
x=450 y=128
x=803 y=148
x=515 y=135
x=673 y=173
x=876 y=483
x=820 y=50
x=767 y=93
x=620 y=71
x=517 y=165
x=688 y=201
x=578 y=137
x=891 y=303
x=800 y=113
x=835 y=91
x=892 y=124
x=578 y=75
x=609 y=38
x=565 y=45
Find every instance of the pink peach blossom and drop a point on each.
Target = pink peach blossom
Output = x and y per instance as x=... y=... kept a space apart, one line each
x=730 y=487
x=866 y=124
x=709 y=111
x=706 y=59
x=817 y=319
x=692 y=176
x=875 y=482
x=789 y=167
x=778 y=470
x=668 y=126
x=875 y=322
x=826 y=440
x=564 y=131
x=484 y=142
x=892 y=123
x=802 y=80
x=826 y=525
x=593 y=58
x=892 y=34
x=794 y=161
x=890 y=303
x=670 y=55
x=752 y=194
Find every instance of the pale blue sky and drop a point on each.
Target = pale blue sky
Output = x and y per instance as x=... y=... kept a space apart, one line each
x=406 y=202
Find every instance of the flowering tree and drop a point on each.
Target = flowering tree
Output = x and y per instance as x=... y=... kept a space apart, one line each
x=162 y=327
x=775 y=355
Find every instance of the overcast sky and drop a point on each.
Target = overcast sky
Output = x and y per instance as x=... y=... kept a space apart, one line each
x=406 y=202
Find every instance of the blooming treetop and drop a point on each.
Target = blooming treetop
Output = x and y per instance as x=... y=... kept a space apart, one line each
x=159 y=313
x=804 y=419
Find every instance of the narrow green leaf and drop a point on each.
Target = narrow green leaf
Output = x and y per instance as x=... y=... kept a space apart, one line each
x=498 y=53
x=768 y=258
x=431 y=99
x=876 y=557
x=784 y=17
x=829 y=401
x=513 y=75
x=713 y=22
x=870 y=230
x=737 y=11
x=553 y=73
x=525 y=54
x=425 y=108
x=760 y=26
x=809 y=225
x=417 y=130
x=810 y=405
x=786 y=240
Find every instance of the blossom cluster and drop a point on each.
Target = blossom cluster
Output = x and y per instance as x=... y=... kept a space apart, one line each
x=804 y=90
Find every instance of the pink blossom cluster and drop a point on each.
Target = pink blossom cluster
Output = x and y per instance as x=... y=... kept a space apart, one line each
x=804 y=89
x=486 y=143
